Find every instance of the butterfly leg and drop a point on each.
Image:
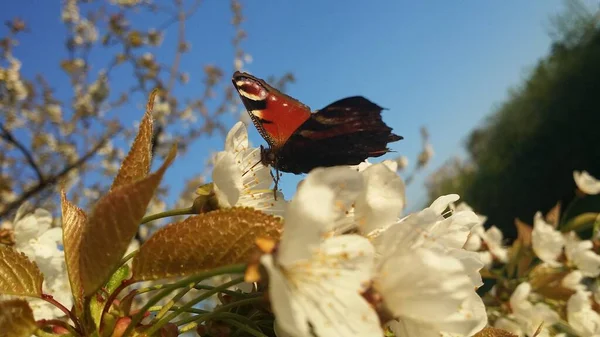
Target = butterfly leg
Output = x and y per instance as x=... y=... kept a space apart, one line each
x=276 y=180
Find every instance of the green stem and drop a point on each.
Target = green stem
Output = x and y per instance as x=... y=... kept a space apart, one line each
x=192 y=322
x=563 y=218
x=218 y=311
x=238 y=303
x=190 y=304
x=228 y=292
x=172 y=302
x=169 y=213
x=231 y=269
x=128 y=257
x=582 y=221
x=175 y=307
x=245 y=328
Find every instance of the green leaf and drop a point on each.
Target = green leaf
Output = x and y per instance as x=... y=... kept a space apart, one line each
x=204 y=242
x=111 y=226
x=581 y=222
x=113 y=283
x=19 y=275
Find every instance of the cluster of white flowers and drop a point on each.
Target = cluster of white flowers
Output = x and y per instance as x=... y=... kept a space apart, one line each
x=84 y=31
x=10 y=78
x=347 y=265
x=42 y=243
x=565 y=258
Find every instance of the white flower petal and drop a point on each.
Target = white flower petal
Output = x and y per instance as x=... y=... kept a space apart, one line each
x=424 y=285
x=547 y=241
x=324 y=196
x=493 y=238
x=325 y=290
x=51 y=237
x=227 y=179
x=453 y=231
x=288 y=310
x=264 y=201
x=382 y=201
x=472 y=264
x=580 y=315
x=468 y=320
x=573 y=281
x=487 y=258
x=580 y=253
x=31 y=226
x=408 y=327
x=441 y=203
x=237 y=138
x=519 y=299
x=280 y=332
x=256 y=177
x=586 y=183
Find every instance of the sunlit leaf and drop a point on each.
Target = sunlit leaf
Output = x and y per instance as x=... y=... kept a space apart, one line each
x=547 y=281
x=111 y=226
x=203 y=242
x=97 y=302
x=494 y=332
x=523 y=233
x=137 y=163
x=73 y=222
x=521 y=253
x=18 y=274
x=553 y=215
x=16 y=319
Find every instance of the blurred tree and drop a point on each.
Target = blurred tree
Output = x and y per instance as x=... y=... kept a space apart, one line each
x=522 y=159
x=77 y=140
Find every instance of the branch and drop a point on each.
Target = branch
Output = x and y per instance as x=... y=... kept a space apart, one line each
x=8 y=136
x=40 y=186
x=181 y=17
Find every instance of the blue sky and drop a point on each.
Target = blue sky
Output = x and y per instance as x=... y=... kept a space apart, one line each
x=439 y=64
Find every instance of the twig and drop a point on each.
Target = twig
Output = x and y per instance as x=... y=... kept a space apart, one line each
x=180 y=40
x=40 y=186
x=68 y=313
x=8 y=136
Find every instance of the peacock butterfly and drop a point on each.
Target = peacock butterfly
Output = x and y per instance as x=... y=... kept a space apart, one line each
x=345 y=132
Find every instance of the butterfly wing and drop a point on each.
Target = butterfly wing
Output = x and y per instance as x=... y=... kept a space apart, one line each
x=345 y=132
x=275 y=115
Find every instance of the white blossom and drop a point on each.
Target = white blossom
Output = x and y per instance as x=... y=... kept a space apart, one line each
x=42 y=244
x=581 y=317
x=586 y=182
x=315 y=283
x=239 y=177
x=426 y=279
x=530 y=316
x=580 y=254
x=546 y=240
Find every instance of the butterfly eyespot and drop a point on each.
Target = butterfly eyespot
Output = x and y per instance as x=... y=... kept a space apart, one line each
x=251 y=90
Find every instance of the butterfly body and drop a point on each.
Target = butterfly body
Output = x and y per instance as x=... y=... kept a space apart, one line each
x=345 y=132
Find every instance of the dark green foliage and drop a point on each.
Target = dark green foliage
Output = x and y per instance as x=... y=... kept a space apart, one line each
x=522 y=159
